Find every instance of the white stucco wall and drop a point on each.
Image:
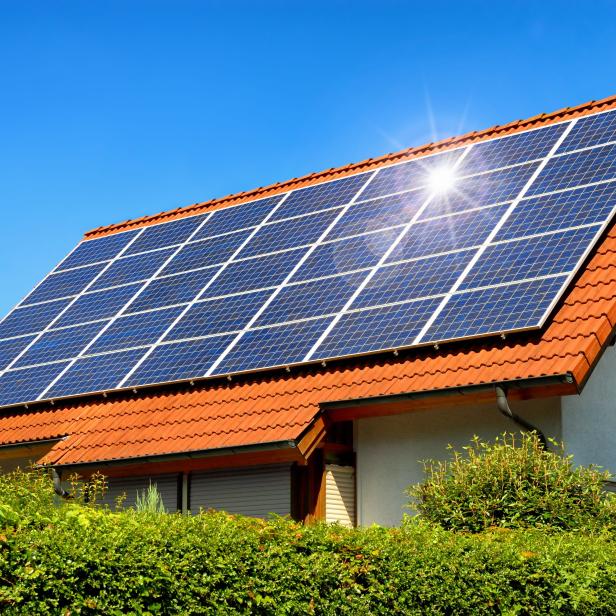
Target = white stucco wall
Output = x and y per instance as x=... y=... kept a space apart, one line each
x=390 y=449
x=589 y=420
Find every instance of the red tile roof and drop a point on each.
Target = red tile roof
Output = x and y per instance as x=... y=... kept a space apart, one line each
x=274 y=407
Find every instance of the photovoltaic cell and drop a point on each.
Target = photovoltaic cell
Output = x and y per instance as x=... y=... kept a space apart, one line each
x=415 y=279
x=100 y=249
x=144 y=328
x=165 y=234
x=387 y=327
x=253 y=274
x=380 y=213
x=479 y=190
x=494 y=310
x=288 y=233
x=64 y=284
x=273 y=346
x=321 y=196
x=218 y=316
x=20 y=386
x=407 y=176
x=205 y=253
x=172 y=290
x=511 y=150
x=346 y=255
x=179 y=361
x=591 y=130
x=97 y=305
x=544 y=255
x=96 y=373
x=59 y=344
x=132 y=269
x=576 y=169
x=311 y=299
x=237 y=217
x=579 y=206
x=10 y=349
x=448 y=233
x=31 y=319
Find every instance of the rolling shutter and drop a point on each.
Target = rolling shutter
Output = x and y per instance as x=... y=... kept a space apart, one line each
x=167 y=486
x=253 y=492
x=340 y=494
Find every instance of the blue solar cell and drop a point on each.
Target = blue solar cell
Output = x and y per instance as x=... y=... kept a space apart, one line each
x=100 y=249
x=410 y=175
x=494 y=310
x=95 y=373
x=479 y=190
x=97 y=305
x=591 y=130
x=166 y=234
x=580 y=206
x=64 y=284
x=273 y=346
x=131 y=269
x=414 y=279
x=140 y=329
x=543 y=255
x=172 y=290
x=321 y=196
x=449 y=233
x=206 y=252
x=511 y=150
x=10 y=349
x=31 y=319
x=346 y=255
x=180 y=360
x=253 y=274
x=21 y=386
x=377 y=329
x=576 y=169
x=380 y=213
x=59 y=344
x=218 y=316
x=237 y=217
x=288 y=233
x=311 y=299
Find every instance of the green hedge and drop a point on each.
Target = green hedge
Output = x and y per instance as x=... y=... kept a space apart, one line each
x=72 y=559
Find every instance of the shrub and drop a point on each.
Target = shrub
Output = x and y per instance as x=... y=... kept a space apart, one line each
x=150 y=500
x=512 y=482
x=67 y=558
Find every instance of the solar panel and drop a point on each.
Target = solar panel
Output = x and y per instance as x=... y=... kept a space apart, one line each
x=371 y=262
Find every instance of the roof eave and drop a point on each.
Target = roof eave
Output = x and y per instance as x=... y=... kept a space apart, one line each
x=519 y=389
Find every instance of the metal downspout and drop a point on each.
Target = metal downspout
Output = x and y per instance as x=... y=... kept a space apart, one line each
x=57 y=484
x=502 y=404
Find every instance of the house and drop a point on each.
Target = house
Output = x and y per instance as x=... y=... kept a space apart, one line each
x=342 y=439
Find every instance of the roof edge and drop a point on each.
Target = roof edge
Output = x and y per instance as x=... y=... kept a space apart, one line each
x=519 y=388
x=365 y=165
x=177 y=456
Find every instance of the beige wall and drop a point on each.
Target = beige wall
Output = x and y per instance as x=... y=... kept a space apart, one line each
x=589 y=420
x=22 y=456
x=389 y=449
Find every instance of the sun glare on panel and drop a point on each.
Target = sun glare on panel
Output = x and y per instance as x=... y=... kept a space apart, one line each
x=441 y=180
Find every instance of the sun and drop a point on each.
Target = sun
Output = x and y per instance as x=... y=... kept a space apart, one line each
x=441 y=180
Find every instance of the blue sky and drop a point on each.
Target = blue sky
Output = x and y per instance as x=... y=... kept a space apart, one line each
x=111 y=110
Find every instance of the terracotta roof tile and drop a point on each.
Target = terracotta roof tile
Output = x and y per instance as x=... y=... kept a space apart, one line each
x=265 y=408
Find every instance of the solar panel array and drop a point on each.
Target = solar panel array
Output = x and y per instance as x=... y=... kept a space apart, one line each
x=366 y=263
